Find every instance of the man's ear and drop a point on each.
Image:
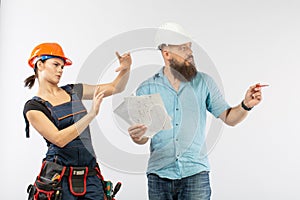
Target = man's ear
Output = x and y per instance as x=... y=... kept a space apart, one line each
x=165 y=53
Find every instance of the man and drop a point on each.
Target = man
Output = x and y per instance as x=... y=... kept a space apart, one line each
x=178 y=167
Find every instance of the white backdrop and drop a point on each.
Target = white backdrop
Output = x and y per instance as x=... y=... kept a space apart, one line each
x=249 y=42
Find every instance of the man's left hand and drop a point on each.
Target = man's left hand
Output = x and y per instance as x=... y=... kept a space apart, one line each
x=253 y=96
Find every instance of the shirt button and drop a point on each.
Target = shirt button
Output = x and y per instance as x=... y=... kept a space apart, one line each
x=176 y=124
x=176 y=140
x=177 y=109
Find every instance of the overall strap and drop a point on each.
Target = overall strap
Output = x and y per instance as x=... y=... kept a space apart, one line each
x=71 y=91
x=46 y=104
x=69 y=88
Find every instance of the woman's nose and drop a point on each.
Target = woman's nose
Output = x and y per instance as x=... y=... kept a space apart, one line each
x=61 y=68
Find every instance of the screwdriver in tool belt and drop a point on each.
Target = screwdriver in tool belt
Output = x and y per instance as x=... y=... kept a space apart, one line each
x=117 y=188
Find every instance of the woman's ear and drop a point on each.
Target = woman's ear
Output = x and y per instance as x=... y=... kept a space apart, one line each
x=39 y=65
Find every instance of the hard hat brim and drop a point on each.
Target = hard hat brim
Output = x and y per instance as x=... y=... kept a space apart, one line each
x=67 y=61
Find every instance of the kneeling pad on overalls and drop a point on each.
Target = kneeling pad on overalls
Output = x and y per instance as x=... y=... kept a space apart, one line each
x=77 y=180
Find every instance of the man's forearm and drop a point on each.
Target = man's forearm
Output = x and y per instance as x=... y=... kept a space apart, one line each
x=235 y=115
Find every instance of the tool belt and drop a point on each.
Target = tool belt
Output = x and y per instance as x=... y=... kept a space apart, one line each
x=48 y=185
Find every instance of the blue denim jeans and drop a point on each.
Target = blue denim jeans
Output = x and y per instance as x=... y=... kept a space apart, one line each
x=196 y=187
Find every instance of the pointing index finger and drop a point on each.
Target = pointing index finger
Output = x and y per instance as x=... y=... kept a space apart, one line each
x=118 y=55
x=259 y=85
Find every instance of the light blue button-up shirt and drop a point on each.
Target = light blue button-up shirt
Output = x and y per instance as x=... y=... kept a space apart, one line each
x=180 y=152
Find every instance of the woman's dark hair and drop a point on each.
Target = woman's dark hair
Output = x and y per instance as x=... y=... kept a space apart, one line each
x=29 y=81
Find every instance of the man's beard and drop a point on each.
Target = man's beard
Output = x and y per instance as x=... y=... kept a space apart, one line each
x=184 y=71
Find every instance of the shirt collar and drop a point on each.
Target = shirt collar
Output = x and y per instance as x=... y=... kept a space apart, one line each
x=159 y=74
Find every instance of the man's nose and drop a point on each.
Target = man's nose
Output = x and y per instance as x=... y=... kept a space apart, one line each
x=189 y=51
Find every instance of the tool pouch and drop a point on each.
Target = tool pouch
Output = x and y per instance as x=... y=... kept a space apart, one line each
x=47 y=185
x=77 y=180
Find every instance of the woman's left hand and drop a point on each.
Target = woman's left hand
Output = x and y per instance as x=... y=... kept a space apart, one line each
x=125 y=61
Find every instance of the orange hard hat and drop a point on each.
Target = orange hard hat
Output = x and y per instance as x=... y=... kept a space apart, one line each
x=47 y=49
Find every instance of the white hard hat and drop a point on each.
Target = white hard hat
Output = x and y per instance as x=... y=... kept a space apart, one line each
x=171 y=33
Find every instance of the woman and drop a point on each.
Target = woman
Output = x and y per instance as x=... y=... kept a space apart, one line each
x=58 y=114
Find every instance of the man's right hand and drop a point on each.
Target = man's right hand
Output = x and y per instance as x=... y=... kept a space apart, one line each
x=137 y=132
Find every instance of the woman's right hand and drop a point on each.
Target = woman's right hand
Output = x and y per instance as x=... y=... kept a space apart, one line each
x=125 y=61
x=97 y=99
